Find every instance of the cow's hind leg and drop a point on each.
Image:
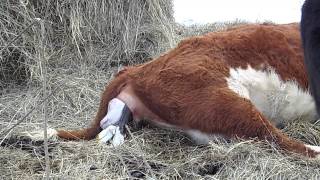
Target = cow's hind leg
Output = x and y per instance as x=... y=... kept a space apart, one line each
x=222 y=111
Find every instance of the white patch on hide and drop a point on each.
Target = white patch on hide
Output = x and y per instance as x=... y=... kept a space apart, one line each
x=315 y=148
x=198 y=137
x=39 y=134
x=280 y=101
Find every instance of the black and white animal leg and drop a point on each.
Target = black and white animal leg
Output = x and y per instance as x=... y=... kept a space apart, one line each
x=113 y=124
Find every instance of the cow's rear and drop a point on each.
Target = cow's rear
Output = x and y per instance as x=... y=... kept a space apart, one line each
x=223 y=83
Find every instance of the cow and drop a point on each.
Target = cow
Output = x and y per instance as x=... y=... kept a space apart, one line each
x=243 y=82
x=310 y=33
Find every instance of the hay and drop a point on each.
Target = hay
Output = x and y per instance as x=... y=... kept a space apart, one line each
x=184 y=31
x=95 y=33
x=157 y=153
x=83 y=45
x=12 y=68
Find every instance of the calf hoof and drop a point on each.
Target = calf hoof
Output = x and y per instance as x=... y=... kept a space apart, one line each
x=111 y=134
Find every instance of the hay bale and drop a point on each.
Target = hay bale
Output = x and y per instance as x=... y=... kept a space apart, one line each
x=12 y=68
x=100 y=33
x=184 y=31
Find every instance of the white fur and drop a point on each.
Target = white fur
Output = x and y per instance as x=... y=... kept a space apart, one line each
x=39 y=134
x=112 y=134
x=118 y=138
x=105 y=135
x=315 y=148
x=198 y=137
x=280 y=101
x=115 y=108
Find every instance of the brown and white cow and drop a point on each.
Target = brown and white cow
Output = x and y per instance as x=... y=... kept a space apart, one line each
x=242 y=82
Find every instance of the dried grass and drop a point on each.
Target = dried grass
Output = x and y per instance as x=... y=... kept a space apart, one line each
x=92 y=33
x=86 y=42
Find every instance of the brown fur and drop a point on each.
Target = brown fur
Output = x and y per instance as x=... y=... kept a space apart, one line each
x=187 y=87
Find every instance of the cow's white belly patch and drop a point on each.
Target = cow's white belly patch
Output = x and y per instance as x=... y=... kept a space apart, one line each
x=280 y=101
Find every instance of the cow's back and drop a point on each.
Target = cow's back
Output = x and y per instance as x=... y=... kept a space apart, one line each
x=203 y=61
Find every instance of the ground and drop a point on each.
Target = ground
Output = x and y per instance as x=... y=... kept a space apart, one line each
x=147 y=152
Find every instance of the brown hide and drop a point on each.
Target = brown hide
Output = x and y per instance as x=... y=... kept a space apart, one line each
x=187 y=86
x=176 y=85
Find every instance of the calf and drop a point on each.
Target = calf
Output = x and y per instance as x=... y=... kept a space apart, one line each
x=242 y=82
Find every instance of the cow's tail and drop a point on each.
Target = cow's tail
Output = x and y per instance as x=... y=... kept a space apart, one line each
x=110 y=92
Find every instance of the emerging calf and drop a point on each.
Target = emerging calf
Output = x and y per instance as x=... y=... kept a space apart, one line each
x=242 y=82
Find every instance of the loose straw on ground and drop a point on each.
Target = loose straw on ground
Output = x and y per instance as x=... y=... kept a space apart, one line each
x=43 y=68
